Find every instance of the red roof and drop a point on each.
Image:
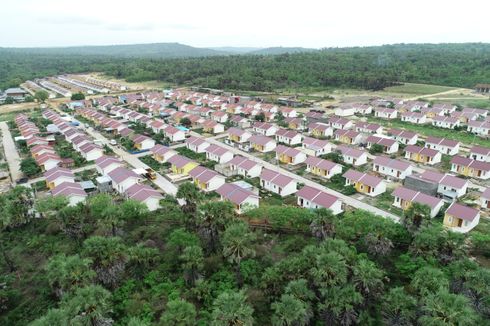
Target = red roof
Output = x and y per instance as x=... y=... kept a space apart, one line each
x=416 y=196
x=260 y=139
x=463 y=212
x=364 y=178
x=317 y=197
x=234 y=193
x=320 y=163
x=203 y=174
x=68 y=189
x=276 y=178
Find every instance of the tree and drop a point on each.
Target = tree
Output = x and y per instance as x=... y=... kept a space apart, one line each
x=323 y=224
x=77 y=96
x=290 y=311
x=29 y=167
x=142 y=258
x=41 y=96
x=132 y=210
x=415 y=216
x=429 y=280
x=330 y=269
x=367 y=278
x=238 y=244
x=212 y=219
x=340 y=305
x=376 y=149
x=186 y=122
x=260 y=117
x=377 y=244
x=90 y=305
x=67 y=272
x=398 y=308
x=334 y=156
x=192 y=262
x=189 y=192
x=9 y=100
x=109 y=257
x=444 y=308
x=299 y=289
x=179 y=313
x=52 y=317
x=108 y=215
x=231 y=308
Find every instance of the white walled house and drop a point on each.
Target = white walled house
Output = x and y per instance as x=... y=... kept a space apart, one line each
x=288 y=137
x=123 y=178
x=241 y=198
x=206 y=179
x=390 y=146
x=311 y=198
x=443 y=145
x=391 y=167
x=446 y=122
x=413 y=117
x=106 y=164
x=196 y=144
x=277 y=183
x=218 y=154
x=479 y=153
x=315 y=147
x=245 y=167
x=352 y=156
x=364 y=183
x=403 y=137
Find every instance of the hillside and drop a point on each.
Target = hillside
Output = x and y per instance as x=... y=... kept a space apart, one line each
x=281 y=50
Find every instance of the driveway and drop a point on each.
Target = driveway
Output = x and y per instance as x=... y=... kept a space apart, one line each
x=11 y=154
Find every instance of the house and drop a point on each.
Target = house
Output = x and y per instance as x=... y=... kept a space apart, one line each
x=123 y=178
x=174 y=134
x=295 y=123
x=422 y=155
x=445 y=108
x=218 y=154
x=206 y=179
x=445 y=122
x=288 y=137
x=72 y=191
x=142 y=142
x=403 y=137
x=319 y=130
x=264 y=128
x=348 y=136
x=413 y=117
x=345 y=111
x=157 y=126
x=57 y=176
x=369 y=128
x=448 y=186
x=470 y=168
x=315 y=147
x=460 y=218
x=352 y=156
x=245 y=167
x=288 y=112
x=238 y=135
x=277 y=183
x=385 y=113
x=482 y=113
x=309 y=197
x=321 y=167
x=47 y=161
x=364 y=183
x=478 y=153
x=485 y=199
x=146 y=195
x=314 y=115
x=464 y=117
x=41 y=149
x=91 y=152
x=481 y=128
x=240 y=122
x=241 y=198
x=391 y=167
x=219 y=116
x=289 y=155
x=363 y=109
x=196 y=144
x=390 y=146
x=106 y=164
x=404 y=198
x=262 y=143
x=181 y=164
x=162 y=153
x=432 y=112
x=340 y=123
x=443 y=145
x=212 y=127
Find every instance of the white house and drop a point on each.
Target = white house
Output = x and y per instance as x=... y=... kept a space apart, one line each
x=352 y=156
x=288 y=137
x=403 y=137
x=123 y=178
x=345 y=111
x=240 y=197
x=91 y=152
x=485 y=199
x=174 y=134
x=449 y=186
x=106 y=164
x=206 y=179
x=390 y=146
x=340 y=123
x=218 y=154
x=162 y=153
x=460 y=218
x=309 y=197
x=238 y=135
x=277 y=183
x=262 y=143
x=369 y=128
x=365 y=183
x=445 y=122
x=481 y=128
x=479 y=153
x=443 y=145
x=315 y=147
x=142 y=142
x=264 y=128
x=146 y=195
x=404 y=198
x=391 y=167
x=72 y=191
x=385 y=113
x=245 y=167
x=413 y=117
x=196 y=144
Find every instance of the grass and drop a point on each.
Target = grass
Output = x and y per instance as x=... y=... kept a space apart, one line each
x=385 y=201
x=429 y=130
x=417 y=89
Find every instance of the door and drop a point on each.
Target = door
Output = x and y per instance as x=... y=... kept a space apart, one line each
x=460 y=222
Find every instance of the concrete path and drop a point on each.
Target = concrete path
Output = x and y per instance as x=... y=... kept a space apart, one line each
x=347 y=200
x=11 y=154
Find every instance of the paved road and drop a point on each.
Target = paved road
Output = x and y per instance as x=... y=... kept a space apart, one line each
x=347 y=200
x=11 y=154
x=83 y=168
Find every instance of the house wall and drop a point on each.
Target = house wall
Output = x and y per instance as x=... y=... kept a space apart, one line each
x=73 y=200
x=452 y=223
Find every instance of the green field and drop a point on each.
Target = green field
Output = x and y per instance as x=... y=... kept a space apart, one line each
x=417 y=89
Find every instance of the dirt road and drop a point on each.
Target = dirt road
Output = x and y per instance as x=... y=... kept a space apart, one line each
x=11 y=154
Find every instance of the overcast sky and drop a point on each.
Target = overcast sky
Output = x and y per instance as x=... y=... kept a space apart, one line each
x=253 y=23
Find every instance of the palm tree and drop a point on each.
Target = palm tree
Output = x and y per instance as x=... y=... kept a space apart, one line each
x=416 y=216
x=330 y=270
x=107 y=214
x=142 y=258
x=444 y=308
x=90 y=305
x=192 y=262
x=179 y=313
x=340 y=305
x=213 y=217
x=367 y=278
x=52 y=317
x=189 y=192
x=377 y=244
x=299 y=289
x=428 y=280
x=238 y=244
x=323 y=224
x=290 y=311
x=398 y=308
x=231 y=309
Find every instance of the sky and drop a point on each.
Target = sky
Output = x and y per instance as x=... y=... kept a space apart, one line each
x=247 y=23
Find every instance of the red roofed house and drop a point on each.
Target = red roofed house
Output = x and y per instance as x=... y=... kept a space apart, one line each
x=390 y=146
x=403 y=137
x=241 y=198
x=196 y=144
x=413 y=117
x=369 y=128
x=47 y=161
x=162 y=153
x=289 y=155
x=449 y=186
x=443 y=145
x=347 y=136
x=262 y=143
x=238 y=135
x=264 y=128
x=422 y=155
x=404 y=198
x=142 y=142
x=481 y=128
x=218 y=154
x=212 y=127
x=340 y=123
x=445 y=122
x=318 y=129
x=352 y=156
x=174 y=134
x=91 y=152
x=460 y=218
x=219 y=116
x=206 y=179
x=391 y=167
x=470 y=168
x=385 y=113
x=72 y=191
x=364 y=183
x=288 y=137
x=106 y=164
x=123 y=178
x=477 y=153
x=158 y=126
x=245 y=167
x=315 y=147
x=277 y=183
x=485 y=199
x=309 y=197
x=57 y=175
x=146 y=195
x=321 y=167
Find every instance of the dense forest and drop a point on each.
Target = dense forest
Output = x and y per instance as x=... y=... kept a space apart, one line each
x=111 y=262
x=461 y=65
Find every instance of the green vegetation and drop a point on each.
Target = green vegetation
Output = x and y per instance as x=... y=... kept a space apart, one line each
x=29 y=167
x=78 y=96
x=417 y=89
x=41 y=96
x=111 y=262
x=65 y=150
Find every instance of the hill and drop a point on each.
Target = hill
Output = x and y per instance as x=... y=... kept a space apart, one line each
x=235 y=50
x=154 y=50
x=281 y=50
